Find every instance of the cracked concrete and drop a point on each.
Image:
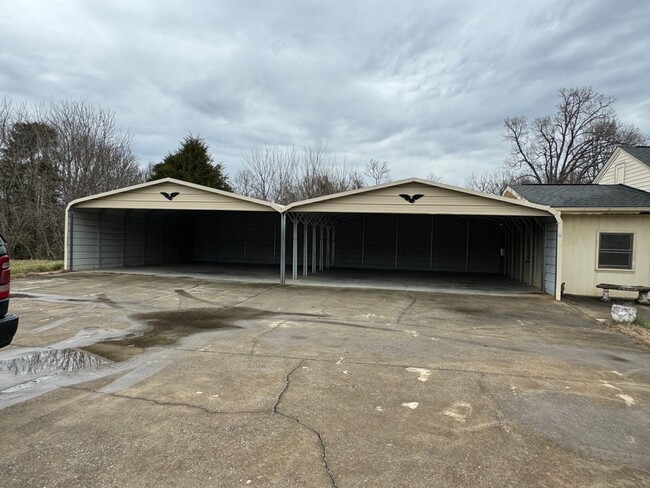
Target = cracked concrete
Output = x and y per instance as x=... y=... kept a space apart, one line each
x=301 y=387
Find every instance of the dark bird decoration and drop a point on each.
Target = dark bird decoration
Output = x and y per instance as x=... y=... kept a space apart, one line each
x=409 y=198
x=169 y=196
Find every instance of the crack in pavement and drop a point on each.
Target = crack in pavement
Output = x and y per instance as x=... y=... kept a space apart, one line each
x=406 y=365
x=255 y=339
x=413 y=300
x=163 y=403
x=318 y=435
x=503 y=428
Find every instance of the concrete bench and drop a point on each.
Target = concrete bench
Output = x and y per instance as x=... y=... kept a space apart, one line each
x=642 y=290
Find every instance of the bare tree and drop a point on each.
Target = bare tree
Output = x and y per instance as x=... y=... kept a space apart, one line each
x=377 y=172
x=284 y=175
x=494 y=181
x=433 y=177
x=572 y=145
x=50 y=155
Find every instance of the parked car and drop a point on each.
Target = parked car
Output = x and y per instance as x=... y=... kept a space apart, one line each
x=8 y=322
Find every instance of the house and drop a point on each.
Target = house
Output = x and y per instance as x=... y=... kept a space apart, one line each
x=605 y=226
x=628 y=165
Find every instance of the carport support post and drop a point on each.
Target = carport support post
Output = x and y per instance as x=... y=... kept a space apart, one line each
x=333 y=262
x=327 y=249
x=313 y=247
x=304 y=246
x=294 y=253
x=320 y=259
x=283 y=248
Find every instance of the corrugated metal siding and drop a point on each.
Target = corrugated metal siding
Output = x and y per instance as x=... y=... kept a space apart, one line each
x=232 y=238
x=414 y=242
x=550 y=257
x=111 y=248
x=439 y=201
x=484 y=246
x=260 y=233
x=84 y=241
x=206 y=237
x=377 y=236
x=379 y=242
x=154 y=240
x=134 y=235
x=188 y=198
x=449 y=244
x=349 y=242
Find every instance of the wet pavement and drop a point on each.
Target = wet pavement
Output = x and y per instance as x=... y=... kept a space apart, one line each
x=117 y=379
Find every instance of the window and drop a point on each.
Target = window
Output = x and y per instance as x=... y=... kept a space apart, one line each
x=615 y=251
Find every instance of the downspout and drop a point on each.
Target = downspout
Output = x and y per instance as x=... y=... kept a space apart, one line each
x=283 y=247
x=558 y=258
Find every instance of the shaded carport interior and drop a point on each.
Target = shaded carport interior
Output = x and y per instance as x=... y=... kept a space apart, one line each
x=450 y=238
x=140 y=227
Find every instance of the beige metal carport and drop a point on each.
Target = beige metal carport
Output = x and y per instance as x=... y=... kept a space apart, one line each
x=169 y=221
x=415 y=224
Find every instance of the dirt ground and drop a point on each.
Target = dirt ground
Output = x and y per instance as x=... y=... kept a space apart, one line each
x=128 y=380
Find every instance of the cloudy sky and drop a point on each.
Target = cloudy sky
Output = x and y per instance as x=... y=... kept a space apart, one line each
x=424 y=85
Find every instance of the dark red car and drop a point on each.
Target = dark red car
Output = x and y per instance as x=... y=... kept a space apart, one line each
x=8 y=322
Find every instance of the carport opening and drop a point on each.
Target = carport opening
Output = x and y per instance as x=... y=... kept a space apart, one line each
x=448 y=251
x=115 y=238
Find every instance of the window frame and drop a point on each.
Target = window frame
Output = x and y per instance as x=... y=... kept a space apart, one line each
x=631 y=251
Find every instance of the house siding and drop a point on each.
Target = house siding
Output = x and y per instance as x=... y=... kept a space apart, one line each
x=579 y=261
x=636 y=174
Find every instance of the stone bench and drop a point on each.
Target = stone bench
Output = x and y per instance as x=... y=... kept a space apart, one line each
x=642 y=290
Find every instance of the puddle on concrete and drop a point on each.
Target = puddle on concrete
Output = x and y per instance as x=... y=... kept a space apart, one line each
x=168 y=327
x=48 y=360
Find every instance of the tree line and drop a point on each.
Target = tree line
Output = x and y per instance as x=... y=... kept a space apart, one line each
x=50 y=155
x=54 y=153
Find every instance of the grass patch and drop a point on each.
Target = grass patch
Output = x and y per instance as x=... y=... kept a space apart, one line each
x=25 y=266
x=642 y=323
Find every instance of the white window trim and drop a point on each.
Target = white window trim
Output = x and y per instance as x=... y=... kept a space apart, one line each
x=616 y=270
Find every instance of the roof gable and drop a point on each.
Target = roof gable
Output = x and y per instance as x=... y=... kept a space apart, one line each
x=400 y=198
x=189 y=196
x=640 y=153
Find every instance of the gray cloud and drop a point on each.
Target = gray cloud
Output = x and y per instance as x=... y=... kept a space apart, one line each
x=423 y=85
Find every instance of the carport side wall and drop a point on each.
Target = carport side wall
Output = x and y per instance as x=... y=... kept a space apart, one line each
x=579 y=262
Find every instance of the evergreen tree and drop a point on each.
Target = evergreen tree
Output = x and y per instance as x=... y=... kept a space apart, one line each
x=192 y=163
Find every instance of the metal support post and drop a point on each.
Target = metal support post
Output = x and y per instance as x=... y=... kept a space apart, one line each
x=320 y=258
x=294 y=253
x=304 y=246
x=313 y=247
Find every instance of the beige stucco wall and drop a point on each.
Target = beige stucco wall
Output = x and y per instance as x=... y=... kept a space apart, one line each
x=635 y=174
x=580 y=252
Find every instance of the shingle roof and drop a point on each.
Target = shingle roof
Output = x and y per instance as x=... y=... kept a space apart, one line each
x=560 y=196
x=642 y=153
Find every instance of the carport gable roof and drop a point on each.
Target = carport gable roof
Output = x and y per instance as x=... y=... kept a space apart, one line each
x=159 y=195
x=400 y=197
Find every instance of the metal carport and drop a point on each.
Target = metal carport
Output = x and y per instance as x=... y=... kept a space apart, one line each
x=169 y=221
x=415 y=224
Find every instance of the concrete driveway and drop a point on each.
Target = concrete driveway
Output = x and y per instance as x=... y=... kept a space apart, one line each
x=126 y=380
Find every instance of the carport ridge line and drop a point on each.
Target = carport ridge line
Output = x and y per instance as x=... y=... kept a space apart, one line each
x=302 y=424
x=403 y=366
